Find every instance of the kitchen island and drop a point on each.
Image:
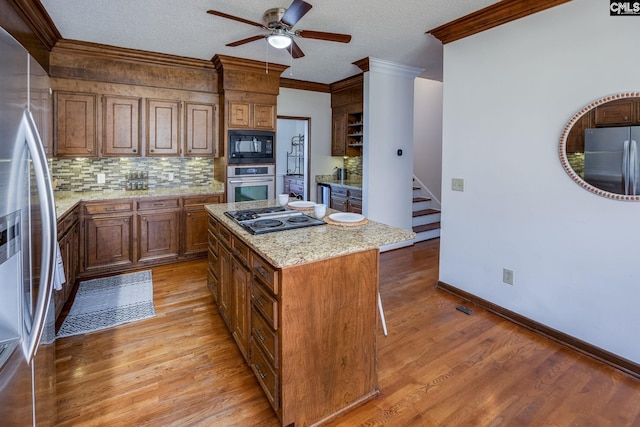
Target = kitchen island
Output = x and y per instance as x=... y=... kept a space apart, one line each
x=302 y=307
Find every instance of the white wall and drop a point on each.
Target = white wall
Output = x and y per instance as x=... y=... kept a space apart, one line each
x=427 y=129
x=388 y=120
x=317 y=106
x=508 y=93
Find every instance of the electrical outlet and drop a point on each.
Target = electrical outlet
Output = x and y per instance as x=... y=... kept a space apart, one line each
x=507 y=276
x=457 y=184
x=170 y=176
x=101 y=178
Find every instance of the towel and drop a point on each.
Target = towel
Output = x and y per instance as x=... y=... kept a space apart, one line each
x=58 y=272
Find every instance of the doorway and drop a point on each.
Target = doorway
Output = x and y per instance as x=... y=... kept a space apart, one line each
x=293 y=153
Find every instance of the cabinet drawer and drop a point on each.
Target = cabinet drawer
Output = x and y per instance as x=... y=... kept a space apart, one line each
x=213 y=242
x=214 y=263
x=265 y=304
x=202 y=200
x=355 y=194
x=212 y=284
x=99 y=208
x=264 y=336
x=64 y=224
x=265 y=374
x=338 y=191
x=224 y=236
x=240 y=250
x=266 y=273
x=158 y=204
x=296 y=189
x=213 y=225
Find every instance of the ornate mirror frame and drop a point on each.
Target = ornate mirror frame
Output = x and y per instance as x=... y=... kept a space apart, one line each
x=564 y=159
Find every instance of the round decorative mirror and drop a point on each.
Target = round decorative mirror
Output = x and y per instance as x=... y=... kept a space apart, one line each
x=600 y=147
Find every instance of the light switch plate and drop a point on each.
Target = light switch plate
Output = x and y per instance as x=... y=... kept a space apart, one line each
x=457 y=184
x=101 y=178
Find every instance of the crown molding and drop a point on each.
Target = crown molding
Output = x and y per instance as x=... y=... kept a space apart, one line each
x=491 y=16
x=96 y=50
x=304 y=85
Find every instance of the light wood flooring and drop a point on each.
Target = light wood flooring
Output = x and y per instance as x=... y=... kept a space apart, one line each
x=437 y=367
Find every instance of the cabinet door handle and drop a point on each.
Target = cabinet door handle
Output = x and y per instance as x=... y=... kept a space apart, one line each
x=259 y=369
x=189 y=214
x=126 y=220
x=259 y=334
x=151 y=150
x=134 y=150
x=258 y=300
x=144 y=218
x=262 y=271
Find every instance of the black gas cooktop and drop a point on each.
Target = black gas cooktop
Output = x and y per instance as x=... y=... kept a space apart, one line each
x=270 y=219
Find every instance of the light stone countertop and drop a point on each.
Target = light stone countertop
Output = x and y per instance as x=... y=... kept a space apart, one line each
x=66 y=200
x=303 y=245
x=355 y=184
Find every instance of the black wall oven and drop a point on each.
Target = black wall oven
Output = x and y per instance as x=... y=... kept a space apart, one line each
x=251 y=147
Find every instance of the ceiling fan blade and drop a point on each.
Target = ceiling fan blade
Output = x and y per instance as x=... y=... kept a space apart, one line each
x=321 y=35
x=295 y=50
x=244 y=41
x=296 y=10
x=235 y=18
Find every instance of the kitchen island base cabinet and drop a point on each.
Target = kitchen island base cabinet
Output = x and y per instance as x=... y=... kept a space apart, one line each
x=327 y=337
x=308 y=331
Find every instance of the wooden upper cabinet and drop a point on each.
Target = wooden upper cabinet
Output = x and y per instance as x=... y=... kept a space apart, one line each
x=163 y=132
x=245 y=115
x=619 y=112
x=201 y=130
x=264 y=116
x=239 y=114
x=75 y=124
x=121 y=126
x=339 y=132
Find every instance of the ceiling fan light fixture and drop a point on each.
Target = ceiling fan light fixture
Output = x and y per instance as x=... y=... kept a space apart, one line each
x=279 y=40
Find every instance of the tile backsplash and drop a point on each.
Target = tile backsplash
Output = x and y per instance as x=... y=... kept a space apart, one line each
x=81 y=174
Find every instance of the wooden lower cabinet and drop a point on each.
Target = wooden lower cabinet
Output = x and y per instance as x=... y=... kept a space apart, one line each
x=346 y=200
x=122 y=234
x=311 y=327
x=69 y=241
x=196 y=223
x=240 y=318
x=109 y=236
x=158 y=235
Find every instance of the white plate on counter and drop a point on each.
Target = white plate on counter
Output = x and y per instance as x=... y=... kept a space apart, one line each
x=346 y=217
x=301 y=204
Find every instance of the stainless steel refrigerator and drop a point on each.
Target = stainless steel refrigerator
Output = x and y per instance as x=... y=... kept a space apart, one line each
x=27 y=246
x=612 y=159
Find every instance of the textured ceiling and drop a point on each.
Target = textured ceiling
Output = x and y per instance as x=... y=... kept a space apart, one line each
x=387 y=30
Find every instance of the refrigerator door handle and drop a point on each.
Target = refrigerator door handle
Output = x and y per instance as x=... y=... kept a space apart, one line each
x=625 y=165
x=633 y=167
x=47 y=211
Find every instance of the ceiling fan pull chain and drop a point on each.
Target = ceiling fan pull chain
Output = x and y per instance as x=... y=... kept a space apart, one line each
x=291 y=67
x=267 y=66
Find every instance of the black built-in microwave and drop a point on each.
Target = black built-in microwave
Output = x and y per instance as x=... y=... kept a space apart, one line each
x=251 y=146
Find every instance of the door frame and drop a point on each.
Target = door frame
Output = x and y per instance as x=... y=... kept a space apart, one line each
x=307 y=153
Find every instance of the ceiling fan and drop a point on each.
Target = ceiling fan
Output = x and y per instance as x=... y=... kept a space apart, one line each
x=279 y=23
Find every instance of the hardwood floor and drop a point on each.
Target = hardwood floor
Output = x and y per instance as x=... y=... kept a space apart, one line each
x=437 y=367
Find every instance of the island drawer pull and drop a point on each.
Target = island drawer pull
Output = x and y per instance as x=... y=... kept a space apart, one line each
x=259 y=334
x=259 y=369
x=258 y=300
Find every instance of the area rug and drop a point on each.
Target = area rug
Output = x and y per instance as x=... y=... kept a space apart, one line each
x=109 y=301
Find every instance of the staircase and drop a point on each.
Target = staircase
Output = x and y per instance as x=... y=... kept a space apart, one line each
x=426 y=218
